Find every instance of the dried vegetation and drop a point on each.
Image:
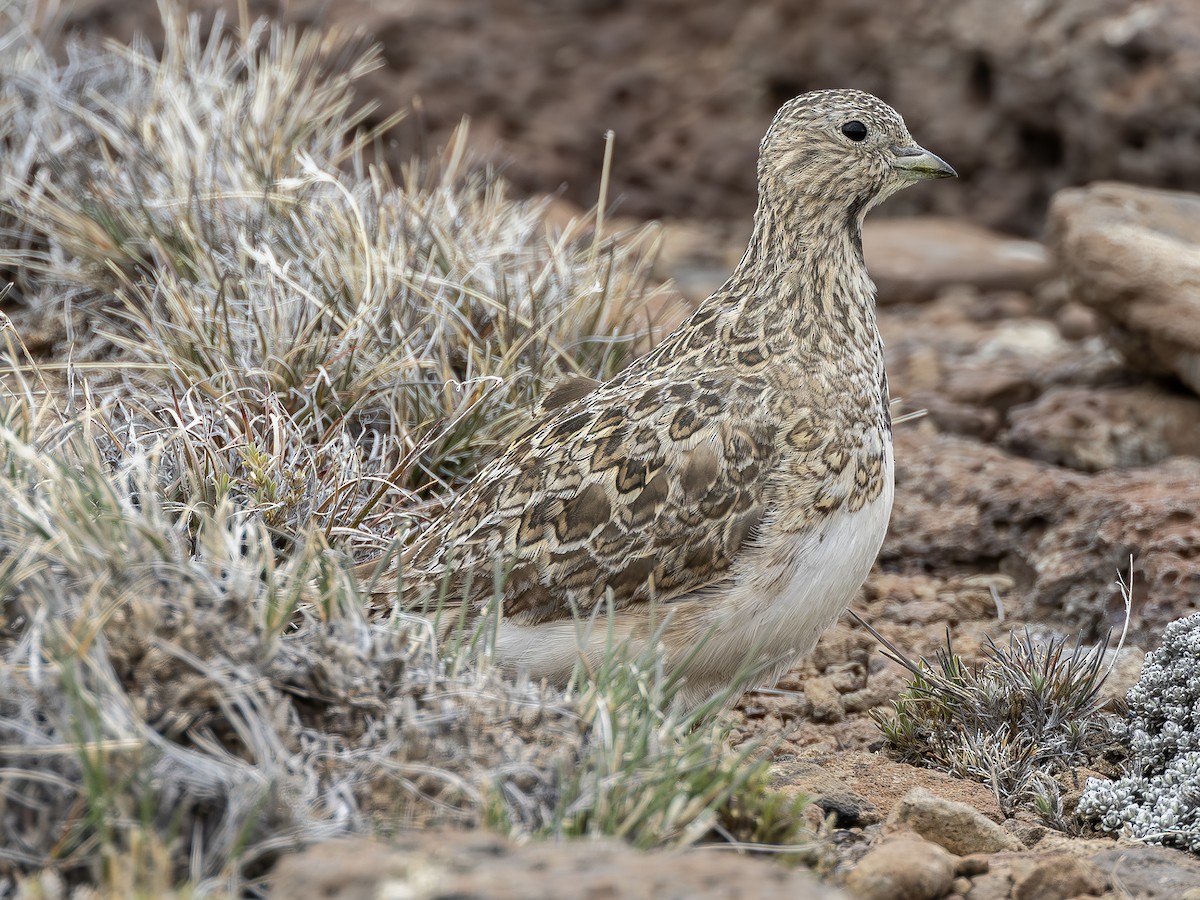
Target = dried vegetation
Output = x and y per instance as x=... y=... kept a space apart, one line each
x=236 y=357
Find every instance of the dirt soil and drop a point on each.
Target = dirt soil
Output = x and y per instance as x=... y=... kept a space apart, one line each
x=1043 y=466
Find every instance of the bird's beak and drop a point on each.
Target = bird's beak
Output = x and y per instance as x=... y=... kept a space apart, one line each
x=918 y=163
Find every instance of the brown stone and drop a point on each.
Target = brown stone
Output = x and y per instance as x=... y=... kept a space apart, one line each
x=698 y=257
x=1020 y=98
x=825 y=699
x=967 y=363
x=905 y=868
x=991 y=886
x=1133 y=255
x=1056 y=878
x=958 y=827
x=884 y=781
x=1124 y=669
x=831 y=794
x=1077 y=321
x=1150 y=873
x=913 y=259
x=1090 y=429
x=1063 y=536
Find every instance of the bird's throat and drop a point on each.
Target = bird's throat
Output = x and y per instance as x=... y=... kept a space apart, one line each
x=806 y=275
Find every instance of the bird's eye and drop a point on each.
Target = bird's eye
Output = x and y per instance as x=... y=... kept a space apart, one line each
x=855 y=130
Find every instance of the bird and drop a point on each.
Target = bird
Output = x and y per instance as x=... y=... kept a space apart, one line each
x=720 y=501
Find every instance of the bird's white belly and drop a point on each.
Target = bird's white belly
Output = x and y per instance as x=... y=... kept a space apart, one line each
x=801 y=584
x=829 y=573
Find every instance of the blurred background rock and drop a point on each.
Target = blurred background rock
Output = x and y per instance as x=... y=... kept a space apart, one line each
x=1023 y=97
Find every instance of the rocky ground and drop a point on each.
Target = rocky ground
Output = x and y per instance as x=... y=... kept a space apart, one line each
x=1060 y=442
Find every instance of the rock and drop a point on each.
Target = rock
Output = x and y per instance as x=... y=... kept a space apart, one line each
x=1058 y=843
x=1021 y=97
x=1056 y=878
x=1077 y=322
x=1090 y=429
x=1029 y=833
x=905 y=868
x=966 y=360
x=991 y=886
x=973 y=865
x=444 y=863
x=825 y=699
x=1150 y=873
x=832 y=795
x=355 y=869
x=1040 y=876
x=997 y=381
x=910 y=258
x=1071 y=785
x=1124 y=669
x=913 y=259
x=1063 y=536
x=882 y=781
x=959 y=828
x=963 y=419
x=1133 y=255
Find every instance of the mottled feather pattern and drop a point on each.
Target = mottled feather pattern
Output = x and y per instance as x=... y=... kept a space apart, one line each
x=705 y=477
x=609 y=494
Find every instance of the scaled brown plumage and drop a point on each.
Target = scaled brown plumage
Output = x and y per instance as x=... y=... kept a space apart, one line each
x=737 y=479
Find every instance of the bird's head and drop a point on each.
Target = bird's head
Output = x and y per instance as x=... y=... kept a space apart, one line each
x=845 y=149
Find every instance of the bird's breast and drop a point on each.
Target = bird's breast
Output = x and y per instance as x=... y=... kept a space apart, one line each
x=800 y=580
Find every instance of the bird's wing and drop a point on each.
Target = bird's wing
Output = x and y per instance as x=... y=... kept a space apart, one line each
x=568 y=390
x=638 y=493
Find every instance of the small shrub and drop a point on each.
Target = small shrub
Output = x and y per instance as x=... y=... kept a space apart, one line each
x=1023 y=714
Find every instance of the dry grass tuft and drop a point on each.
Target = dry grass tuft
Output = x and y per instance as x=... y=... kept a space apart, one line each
x=1025 y=714
x=235 y=358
